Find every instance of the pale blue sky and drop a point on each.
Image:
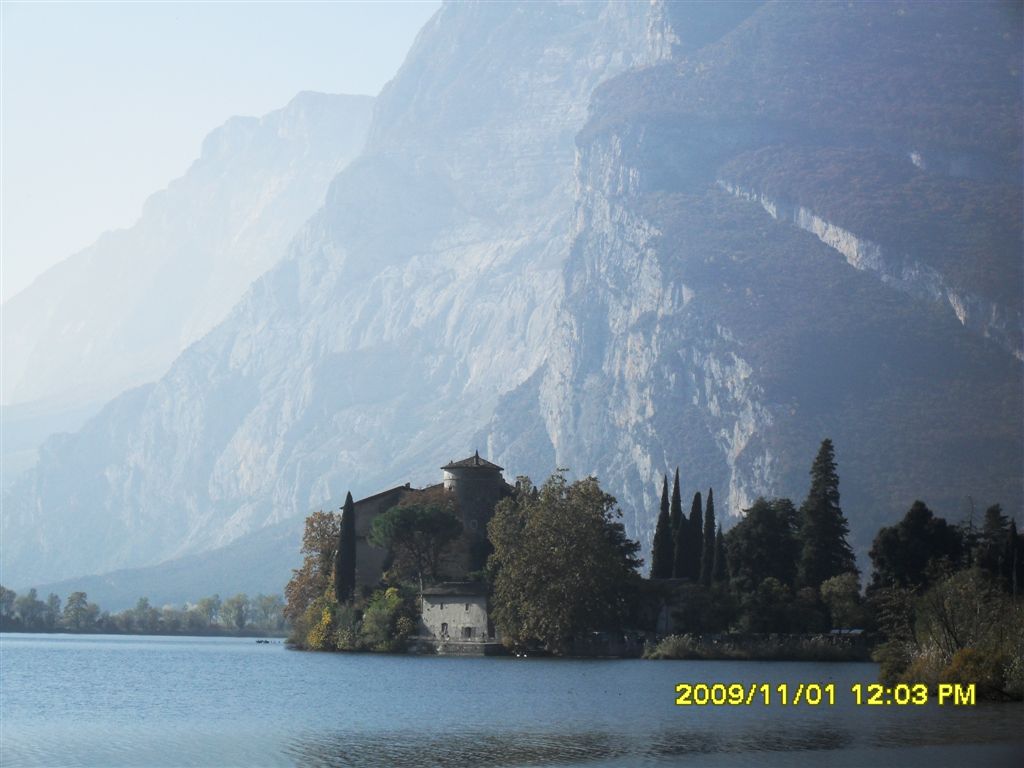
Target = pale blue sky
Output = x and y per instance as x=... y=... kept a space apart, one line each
x=105 y=103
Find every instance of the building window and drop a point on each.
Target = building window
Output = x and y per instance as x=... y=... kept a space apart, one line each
x=467 y=633
x=444 y=629
x=467 y=606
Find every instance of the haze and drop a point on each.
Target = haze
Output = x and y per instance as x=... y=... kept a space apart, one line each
x=105 y=103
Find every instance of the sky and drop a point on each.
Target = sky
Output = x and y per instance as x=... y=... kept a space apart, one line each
x=102 y=104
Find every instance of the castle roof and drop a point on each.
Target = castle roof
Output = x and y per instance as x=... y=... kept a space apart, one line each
x=472 y=461
x=456 y=589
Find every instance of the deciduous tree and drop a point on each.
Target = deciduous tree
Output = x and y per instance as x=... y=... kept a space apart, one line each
x=562 y=564
x=318 y=546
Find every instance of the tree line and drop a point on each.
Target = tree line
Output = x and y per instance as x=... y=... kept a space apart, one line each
x=238 y=614
x=561 y=567
x=943 y=600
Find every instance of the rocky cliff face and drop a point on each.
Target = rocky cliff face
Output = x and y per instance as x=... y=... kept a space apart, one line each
x=696 y=332
x=532 y=255
x=424 y=288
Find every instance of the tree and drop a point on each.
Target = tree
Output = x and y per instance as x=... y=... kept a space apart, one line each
x=319 y=541
x=763 y=545
x=208 y=609
x=1016 y=559
x=662 y=548
x=915 y=551
x=30 y=608
x=825 y=551
x=236 y=611
x=7 y=600
x=269 y=611
x=76 y=611
x=562 y=564
x=707 y=555
x=345 y=559
x=721 y=572
x=695 y=538
x=683 y=546
x=417 y=536
x=145 y=616
x=842 y=596
x=992 y=551
x=51 y=613
x=676 y=510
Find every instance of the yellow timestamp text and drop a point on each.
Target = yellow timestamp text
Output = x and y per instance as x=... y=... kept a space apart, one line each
x=820 y=694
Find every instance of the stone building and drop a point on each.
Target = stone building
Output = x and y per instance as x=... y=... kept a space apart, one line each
x=476 y=485
x=454 y=620
x=456 y=611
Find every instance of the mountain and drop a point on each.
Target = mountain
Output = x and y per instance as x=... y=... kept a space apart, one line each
x=258 y=563
x=425 y=287
x=614 y=237
x=116 y=314
x=809 y=228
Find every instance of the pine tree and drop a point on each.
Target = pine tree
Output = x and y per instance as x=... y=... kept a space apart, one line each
x=661 y=549
x=707 y=555
x=696 y=537
x=345 y=558
x=721 y=572
x=825 y=551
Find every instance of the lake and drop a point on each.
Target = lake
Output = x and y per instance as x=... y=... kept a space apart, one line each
x=176 y=701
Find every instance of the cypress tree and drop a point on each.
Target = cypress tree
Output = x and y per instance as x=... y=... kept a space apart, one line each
x=664 y=500
x=696 y=537
x=677 y=504
x=661 y=549
x=683 y=549
x=721 y=571
x=345 y=557
x=825 y=551
x=707 y=555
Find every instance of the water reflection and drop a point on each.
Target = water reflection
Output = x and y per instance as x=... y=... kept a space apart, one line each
x=794 y=738
x=416 y=749
x=413 y=749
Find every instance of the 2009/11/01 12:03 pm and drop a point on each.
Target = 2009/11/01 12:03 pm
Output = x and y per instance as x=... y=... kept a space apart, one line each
x=815 y=694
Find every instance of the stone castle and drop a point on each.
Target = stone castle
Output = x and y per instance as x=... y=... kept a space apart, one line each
x=477 y=485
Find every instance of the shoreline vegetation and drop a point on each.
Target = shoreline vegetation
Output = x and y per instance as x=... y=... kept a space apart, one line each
x=813 y=648
x=237 y=616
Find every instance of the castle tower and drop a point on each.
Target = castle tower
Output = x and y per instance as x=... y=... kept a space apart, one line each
x=479 y=486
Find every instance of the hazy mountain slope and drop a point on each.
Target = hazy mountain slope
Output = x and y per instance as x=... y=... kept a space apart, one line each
x=258 y=563
x=697 y=330
x=117 y=313
x=424 y=289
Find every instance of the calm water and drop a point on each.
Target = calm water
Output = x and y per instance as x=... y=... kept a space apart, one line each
x=119 y=701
